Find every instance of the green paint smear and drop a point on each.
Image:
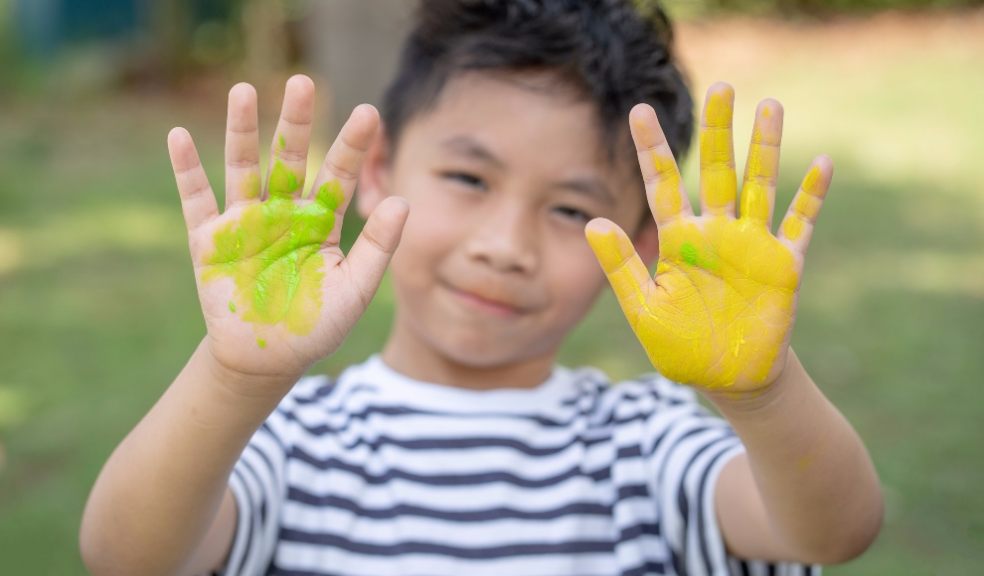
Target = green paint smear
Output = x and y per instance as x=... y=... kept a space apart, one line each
x=261 y=342
x=232 y=306
x=282 y=142
x=272 y=253
x=690 y=255
x=283 y=181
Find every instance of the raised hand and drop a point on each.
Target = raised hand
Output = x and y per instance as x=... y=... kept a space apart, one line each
x=276 y=291
x=720 y=311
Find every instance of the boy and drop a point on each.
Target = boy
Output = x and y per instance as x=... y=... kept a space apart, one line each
x=502 y=178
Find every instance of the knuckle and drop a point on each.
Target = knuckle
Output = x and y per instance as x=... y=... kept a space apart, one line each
x=338 y=170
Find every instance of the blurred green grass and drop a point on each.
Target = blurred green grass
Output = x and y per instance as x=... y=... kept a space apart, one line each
x=98 y=309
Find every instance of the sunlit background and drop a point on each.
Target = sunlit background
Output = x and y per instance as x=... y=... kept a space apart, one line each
x=97 y=302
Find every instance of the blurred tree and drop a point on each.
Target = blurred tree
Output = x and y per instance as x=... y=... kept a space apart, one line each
x=355 y=45
x=151 y=39
x=264 y=29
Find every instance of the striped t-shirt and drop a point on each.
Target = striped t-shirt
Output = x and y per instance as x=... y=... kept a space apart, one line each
x=376 y=474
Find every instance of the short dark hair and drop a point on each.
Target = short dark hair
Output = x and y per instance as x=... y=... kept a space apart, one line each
x=612 y=53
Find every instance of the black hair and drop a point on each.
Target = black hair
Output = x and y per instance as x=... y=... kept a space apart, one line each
x=612 y=53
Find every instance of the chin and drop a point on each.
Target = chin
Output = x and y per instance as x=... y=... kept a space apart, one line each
x=480 y=353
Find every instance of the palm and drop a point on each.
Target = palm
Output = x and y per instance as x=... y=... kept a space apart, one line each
x=719 y=315
x=285 y=284
x=720 y=310
x=276 y=291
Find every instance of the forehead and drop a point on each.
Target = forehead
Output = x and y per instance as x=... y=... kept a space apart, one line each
x=532 y=121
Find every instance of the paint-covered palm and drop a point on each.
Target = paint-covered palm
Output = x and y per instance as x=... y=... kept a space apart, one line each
x=276 y=291
x=719 y=312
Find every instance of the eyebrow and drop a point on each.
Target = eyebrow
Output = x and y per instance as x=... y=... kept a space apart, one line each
x=474 y=149
x=591 y=187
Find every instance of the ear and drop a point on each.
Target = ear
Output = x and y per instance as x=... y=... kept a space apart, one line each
x=646 y=241
x=374 y=177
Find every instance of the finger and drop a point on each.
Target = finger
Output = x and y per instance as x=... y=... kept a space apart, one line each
x=373 y=249
x=664 y=187
x=797 y=226
x=762 y=168
x=340 y=170
x=197 y=200
x=242 y=148
x=288 y=154
x=626 y=272
x=718 y=182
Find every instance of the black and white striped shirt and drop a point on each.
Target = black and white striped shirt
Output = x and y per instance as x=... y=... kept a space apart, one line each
x=375 y=474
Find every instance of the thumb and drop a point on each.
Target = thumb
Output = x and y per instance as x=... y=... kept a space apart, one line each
x=626 y=272
x=373 y=249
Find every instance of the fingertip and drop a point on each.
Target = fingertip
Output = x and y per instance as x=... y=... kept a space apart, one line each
x=177 y=139
x=300 y=82
x=360 y=128
x=610 y=245
x=177 y=133
x=395 y=207
x=385 y=224
x=299 y=95
x=719 y=106
x=640 y=112
x=644 y=126
x=825 y=163
x=599 y=226
x=241 y=90
x=365 y=115
x=365 y=109
x=722 y=89
x=770 y=108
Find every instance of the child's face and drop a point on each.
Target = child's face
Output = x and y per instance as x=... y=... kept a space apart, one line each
x=493 y=268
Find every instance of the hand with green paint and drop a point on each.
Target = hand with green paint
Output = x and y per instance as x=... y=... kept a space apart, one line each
x=276 y=291
x=719 y=313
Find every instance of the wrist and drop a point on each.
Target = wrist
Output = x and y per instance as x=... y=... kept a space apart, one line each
x=239 y=386
x=752 y=402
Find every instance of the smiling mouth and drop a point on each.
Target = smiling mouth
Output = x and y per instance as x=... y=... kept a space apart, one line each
x=485 y=304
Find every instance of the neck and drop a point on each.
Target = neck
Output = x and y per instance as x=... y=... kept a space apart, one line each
x=411 y=356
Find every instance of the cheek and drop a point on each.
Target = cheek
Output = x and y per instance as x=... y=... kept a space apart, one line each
x=427 y=236
x=576 y=278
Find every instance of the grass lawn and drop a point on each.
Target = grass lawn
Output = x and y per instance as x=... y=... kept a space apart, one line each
x=98 y=310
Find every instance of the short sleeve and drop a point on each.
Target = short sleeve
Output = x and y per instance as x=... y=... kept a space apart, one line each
x=259 y=486
x=689 y=448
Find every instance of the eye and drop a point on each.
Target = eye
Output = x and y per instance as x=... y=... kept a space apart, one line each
x=572 y=214
x=465 y=179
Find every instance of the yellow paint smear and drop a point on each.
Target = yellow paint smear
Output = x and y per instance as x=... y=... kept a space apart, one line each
x=792 y=227
x=667 y=193
x=806 y=205
x=717 y=170
x=615 y=253
x=723 y=303
x=763 y=165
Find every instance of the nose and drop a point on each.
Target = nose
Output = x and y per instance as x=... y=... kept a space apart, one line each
x=504 y=238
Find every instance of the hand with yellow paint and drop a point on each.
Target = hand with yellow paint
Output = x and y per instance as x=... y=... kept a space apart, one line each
x=276 y=291
x=719 y=313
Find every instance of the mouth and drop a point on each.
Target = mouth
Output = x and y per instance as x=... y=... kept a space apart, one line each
x=486 y=303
